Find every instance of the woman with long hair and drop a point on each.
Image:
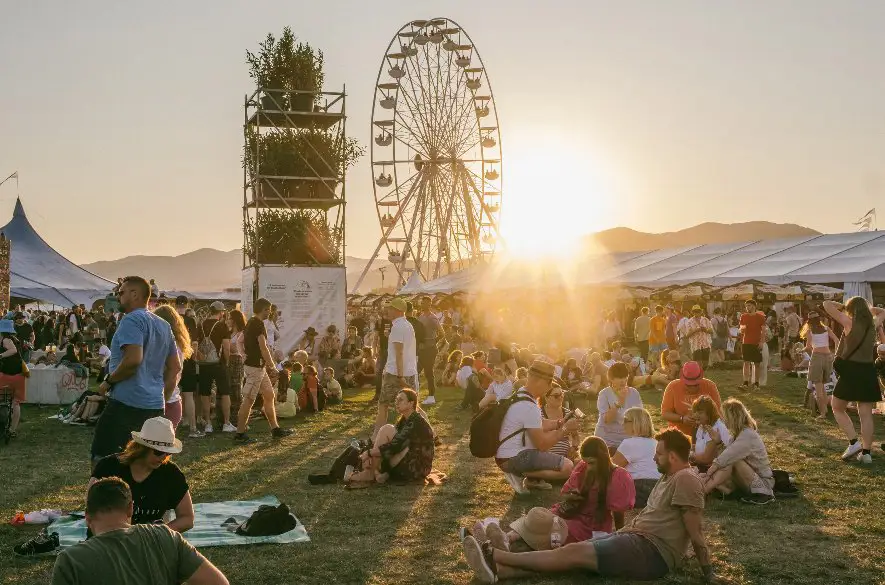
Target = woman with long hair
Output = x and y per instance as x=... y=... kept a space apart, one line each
x=636 y=453
x=157 y=484
x=744 y=463
x=817 y=338
x=185 y=349
x=236 y=323
x=855 y=365
x=12 y=370
x=452 y=364
x=552 y=408
x=712 y=435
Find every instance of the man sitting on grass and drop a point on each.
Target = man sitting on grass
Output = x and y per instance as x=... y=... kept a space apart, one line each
x=121 y=553
x=648 y=548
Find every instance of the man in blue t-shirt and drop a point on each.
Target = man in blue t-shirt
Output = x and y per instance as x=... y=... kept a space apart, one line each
x=143 y=370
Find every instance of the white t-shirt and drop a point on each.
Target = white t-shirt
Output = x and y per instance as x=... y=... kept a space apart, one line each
x=272 y=333
x=613 y=433
x=104 y=351
x=640 y=455
x=402 y=332
x=501 y=390
x=521 y=415
x=462 y=375
x=702 y=437
x=72 y=321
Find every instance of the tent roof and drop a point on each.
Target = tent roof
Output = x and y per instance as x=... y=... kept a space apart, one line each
x=38 y=272
x=849 y=257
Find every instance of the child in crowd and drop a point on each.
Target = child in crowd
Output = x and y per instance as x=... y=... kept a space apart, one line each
x=500 y=388
x=309 y=397
x=464 y=372
x=283 y=381
x=286 y=404
x=331 y=388
x=480 y=365
x=296 y=376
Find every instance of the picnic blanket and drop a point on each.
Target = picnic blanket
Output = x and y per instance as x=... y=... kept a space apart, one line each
x=207 y=530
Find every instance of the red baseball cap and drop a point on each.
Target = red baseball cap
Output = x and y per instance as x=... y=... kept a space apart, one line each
x=692 y=373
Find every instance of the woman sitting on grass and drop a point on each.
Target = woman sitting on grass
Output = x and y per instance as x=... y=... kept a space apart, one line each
x=743 y=465
x=500 y=388
x=157 y=484
x=596 y=374
x=636 y=453
x=612 y=402
x=451 y=369
x=400 y=453
x=712 y=435
x=671 y=364
x=552 y=409
x=364 y=373
x=597 y=493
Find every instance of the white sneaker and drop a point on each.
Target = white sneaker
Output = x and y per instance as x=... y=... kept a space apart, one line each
x=515 y=482
x=865 y=458
x=851 y=451
x=429 y=401
x=196 y=434
x=228 y=428
x=208 y=429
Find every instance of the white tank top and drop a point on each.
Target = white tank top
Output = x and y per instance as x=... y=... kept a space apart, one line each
x=819 y=340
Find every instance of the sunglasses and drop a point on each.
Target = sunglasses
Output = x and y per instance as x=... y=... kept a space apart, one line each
x=555 y=395
x=159 y=453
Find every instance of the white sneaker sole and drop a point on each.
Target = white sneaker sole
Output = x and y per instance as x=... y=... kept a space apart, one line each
x=848 y=454
x=515 y=482
x=473 y=554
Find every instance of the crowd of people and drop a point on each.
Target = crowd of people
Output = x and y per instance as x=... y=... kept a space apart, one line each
x=632 y=497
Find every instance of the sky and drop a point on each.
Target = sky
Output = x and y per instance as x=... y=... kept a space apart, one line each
x=124 y=119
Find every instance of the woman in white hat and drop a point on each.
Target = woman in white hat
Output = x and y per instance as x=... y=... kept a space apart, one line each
x=157 y=484
x=12 y=370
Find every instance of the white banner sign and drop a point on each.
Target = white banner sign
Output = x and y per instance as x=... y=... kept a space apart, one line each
x=246 y=291
x=305 y=297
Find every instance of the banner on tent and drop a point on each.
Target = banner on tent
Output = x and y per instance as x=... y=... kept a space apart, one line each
x=305 y=297
x=247 y=291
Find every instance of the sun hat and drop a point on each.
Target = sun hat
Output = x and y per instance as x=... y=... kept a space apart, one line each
x=543 y=370
x=535 y=528
x=310 y=331
x=7 y=326
x=217 y=306
x=692 y=373
x=158 y=433
x=697 y=308
x=398 y=304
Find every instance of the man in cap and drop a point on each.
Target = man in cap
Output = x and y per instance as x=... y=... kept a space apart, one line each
x=680 y=394
x=213 y=329
x=401 y=369
x=526 y=436
x=648 y=548
x=699 y=332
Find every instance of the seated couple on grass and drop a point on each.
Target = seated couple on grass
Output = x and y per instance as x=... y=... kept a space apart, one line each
x=648 y=548
x=527 y=437
x=400 y=453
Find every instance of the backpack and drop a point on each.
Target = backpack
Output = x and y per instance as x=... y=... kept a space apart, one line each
x=268 y=521
x=485 y=428
x=349 y=457
x=206 y=349
x=721 y=328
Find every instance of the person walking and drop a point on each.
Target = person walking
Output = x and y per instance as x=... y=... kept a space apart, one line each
x=855 y=365
x=214 y=355
x=143 y=370
x=427 y=357
x=258 y=367
x=641 y=331
x=401 y=369
x=817 y=338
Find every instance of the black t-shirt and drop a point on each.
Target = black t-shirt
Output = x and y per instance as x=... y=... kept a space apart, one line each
x=254 y=330
x=24 y=332
x=216 y=330
x=383 y=328
x=360 y=325
x=191 y=325
x=162 y=490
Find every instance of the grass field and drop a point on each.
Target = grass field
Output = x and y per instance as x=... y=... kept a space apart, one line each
x=391 y=534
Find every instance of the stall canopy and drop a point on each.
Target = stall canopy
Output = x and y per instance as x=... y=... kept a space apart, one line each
x=37 y=272
x=856 y=258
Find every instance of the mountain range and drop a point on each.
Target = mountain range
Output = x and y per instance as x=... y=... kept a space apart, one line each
x=208 y=269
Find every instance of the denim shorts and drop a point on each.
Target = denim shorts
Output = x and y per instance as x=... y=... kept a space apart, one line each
x=532 y=460
x=627 y=555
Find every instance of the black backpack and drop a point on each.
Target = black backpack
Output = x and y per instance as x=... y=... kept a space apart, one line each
x=721 y=327
x=350 y=456
x=268 y=521
x=485 y=428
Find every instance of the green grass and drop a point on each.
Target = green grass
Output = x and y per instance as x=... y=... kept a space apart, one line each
x=391 y=534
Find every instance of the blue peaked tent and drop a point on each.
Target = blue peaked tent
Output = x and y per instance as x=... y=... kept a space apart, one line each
x=37 y=272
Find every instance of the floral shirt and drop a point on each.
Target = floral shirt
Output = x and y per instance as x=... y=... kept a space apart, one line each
x=330 y=346
x=415 y=433
x=697 y=332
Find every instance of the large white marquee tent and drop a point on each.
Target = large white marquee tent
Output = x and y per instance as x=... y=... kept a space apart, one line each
x=852 y=261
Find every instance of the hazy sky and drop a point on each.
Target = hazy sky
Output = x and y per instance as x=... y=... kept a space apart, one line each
x=124 y=119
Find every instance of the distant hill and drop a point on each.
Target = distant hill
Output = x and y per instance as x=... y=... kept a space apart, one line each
x=626 y=240
x=207 y=269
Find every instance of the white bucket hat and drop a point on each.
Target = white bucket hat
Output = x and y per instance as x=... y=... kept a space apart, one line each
x=158 y=433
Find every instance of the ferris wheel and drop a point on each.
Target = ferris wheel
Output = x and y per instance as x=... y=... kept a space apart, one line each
x=436 y=152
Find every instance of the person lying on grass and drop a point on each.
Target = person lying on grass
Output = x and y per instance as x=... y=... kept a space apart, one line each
x=743 y=464
x=401 y=453
x=157 y=484
x=648 y=548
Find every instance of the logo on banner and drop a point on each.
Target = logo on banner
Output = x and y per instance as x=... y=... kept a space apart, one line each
x=302 y=285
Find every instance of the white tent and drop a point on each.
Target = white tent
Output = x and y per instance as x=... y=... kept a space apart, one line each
x=854 y=259
x=39 y=273
x=413 y=285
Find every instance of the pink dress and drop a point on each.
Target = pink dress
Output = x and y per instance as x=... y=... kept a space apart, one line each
x=620 y=497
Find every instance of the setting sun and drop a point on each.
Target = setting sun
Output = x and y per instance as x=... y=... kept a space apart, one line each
x=554 y=195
